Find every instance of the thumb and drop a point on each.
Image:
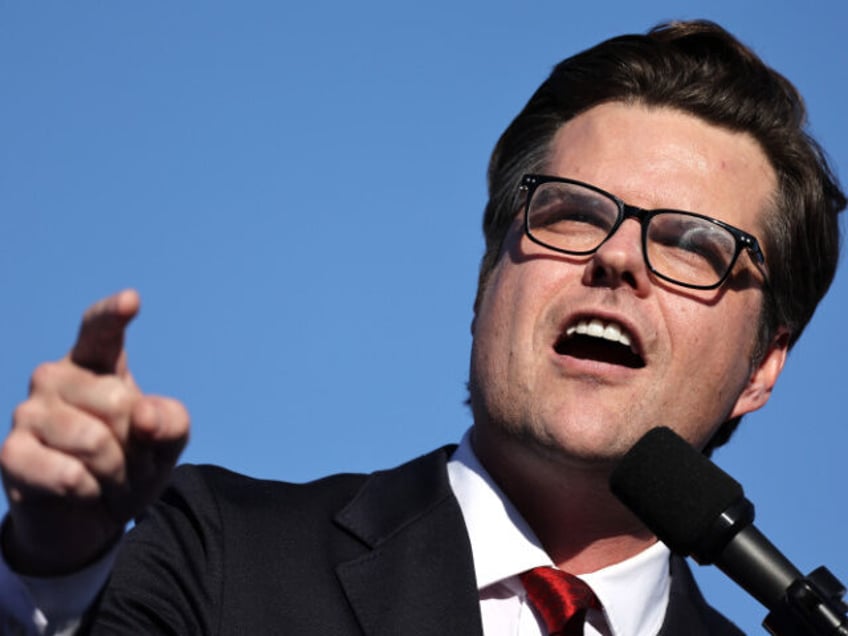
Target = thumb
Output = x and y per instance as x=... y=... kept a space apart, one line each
x=160 y=430
x=100 y=342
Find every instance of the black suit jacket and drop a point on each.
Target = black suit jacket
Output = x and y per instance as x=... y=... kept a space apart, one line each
x=378 y=555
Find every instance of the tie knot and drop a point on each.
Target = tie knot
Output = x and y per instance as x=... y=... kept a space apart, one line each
x=560 y=598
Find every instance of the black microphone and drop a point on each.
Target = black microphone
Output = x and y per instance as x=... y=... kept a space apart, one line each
x=698 y=510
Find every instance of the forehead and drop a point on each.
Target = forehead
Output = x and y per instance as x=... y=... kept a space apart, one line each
x=664 y=158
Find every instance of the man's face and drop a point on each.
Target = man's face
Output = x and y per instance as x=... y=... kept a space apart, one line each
x=584 y=398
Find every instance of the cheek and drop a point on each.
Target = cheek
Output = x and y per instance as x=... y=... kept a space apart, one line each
x=498 y=312
x=719 y=339
x=507 y=316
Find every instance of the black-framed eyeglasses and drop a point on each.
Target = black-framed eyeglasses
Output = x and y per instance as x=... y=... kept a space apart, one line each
x=683 y=248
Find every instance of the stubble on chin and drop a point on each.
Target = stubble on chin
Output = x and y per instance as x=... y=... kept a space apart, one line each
x=511 y=437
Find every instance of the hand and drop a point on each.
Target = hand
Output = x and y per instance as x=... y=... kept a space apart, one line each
x=87 y=450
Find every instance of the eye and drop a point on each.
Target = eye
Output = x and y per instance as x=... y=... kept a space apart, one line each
x=686 y=243
x=570 y=210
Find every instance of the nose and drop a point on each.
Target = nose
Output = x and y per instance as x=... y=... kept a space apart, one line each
x=620 y=262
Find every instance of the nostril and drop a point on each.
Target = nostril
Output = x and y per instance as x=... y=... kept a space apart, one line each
x=613 y=269
x=599 y=273
x=605 y=274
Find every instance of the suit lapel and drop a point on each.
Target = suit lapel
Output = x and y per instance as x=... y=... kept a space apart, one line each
x=688 y=613
x=417 y=576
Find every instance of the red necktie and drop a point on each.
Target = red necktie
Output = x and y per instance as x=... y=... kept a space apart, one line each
x=560 y=598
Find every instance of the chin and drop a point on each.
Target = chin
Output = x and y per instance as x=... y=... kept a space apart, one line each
x=587 y=443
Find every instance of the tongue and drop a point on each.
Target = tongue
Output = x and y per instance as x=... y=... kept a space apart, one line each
x=589 y=348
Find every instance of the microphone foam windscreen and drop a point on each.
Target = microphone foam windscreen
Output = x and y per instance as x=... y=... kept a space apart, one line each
x=676 y=491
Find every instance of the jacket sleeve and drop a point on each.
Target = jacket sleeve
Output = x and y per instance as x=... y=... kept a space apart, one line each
x=167 y=576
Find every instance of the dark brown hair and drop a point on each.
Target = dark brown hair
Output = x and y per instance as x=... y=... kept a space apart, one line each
x=699 y=68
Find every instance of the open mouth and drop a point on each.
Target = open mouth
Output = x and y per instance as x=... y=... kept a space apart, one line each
x=603 y=341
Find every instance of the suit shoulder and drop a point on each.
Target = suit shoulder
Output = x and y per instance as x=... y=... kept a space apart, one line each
x=231 y=489
x=204 y=485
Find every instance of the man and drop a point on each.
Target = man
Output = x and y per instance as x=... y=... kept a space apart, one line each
x=659 y=232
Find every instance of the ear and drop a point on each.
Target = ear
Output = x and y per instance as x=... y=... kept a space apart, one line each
x=764 y=376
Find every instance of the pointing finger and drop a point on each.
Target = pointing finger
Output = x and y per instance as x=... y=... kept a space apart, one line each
x=100 y=343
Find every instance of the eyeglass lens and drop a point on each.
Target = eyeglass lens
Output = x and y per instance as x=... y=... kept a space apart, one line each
x=678 y=246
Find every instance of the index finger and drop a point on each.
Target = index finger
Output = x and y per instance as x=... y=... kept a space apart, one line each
x=100 y=341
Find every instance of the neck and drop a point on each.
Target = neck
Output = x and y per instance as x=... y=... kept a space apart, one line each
x=567 y=503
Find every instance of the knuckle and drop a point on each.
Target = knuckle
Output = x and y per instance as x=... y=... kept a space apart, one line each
x=26 y=414
x=118 y=401
x=72 y=478
x=9 y=451
x=95 y=441
x=111 y=469
x=44 y=376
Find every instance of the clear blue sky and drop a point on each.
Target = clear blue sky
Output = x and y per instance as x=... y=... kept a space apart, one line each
x=296 y=191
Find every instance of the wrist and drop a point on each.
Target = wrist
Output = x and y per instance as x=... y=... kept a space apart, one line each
x=56 y=550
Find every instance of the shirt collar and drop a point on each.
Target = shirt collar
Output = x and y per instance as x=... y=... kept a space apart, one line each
x=634 y=592
x=502 y=543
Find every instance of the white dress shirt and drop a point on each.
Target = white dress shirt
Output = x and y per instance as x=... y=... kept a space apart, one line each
x=634 y=593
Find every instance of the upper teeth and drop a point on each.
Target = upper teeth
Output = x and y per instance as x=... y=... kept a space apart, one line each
x=599 y=329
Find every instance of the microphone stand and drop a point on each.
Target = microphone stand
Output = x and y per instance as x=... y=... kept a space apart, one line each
x=811 y=606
